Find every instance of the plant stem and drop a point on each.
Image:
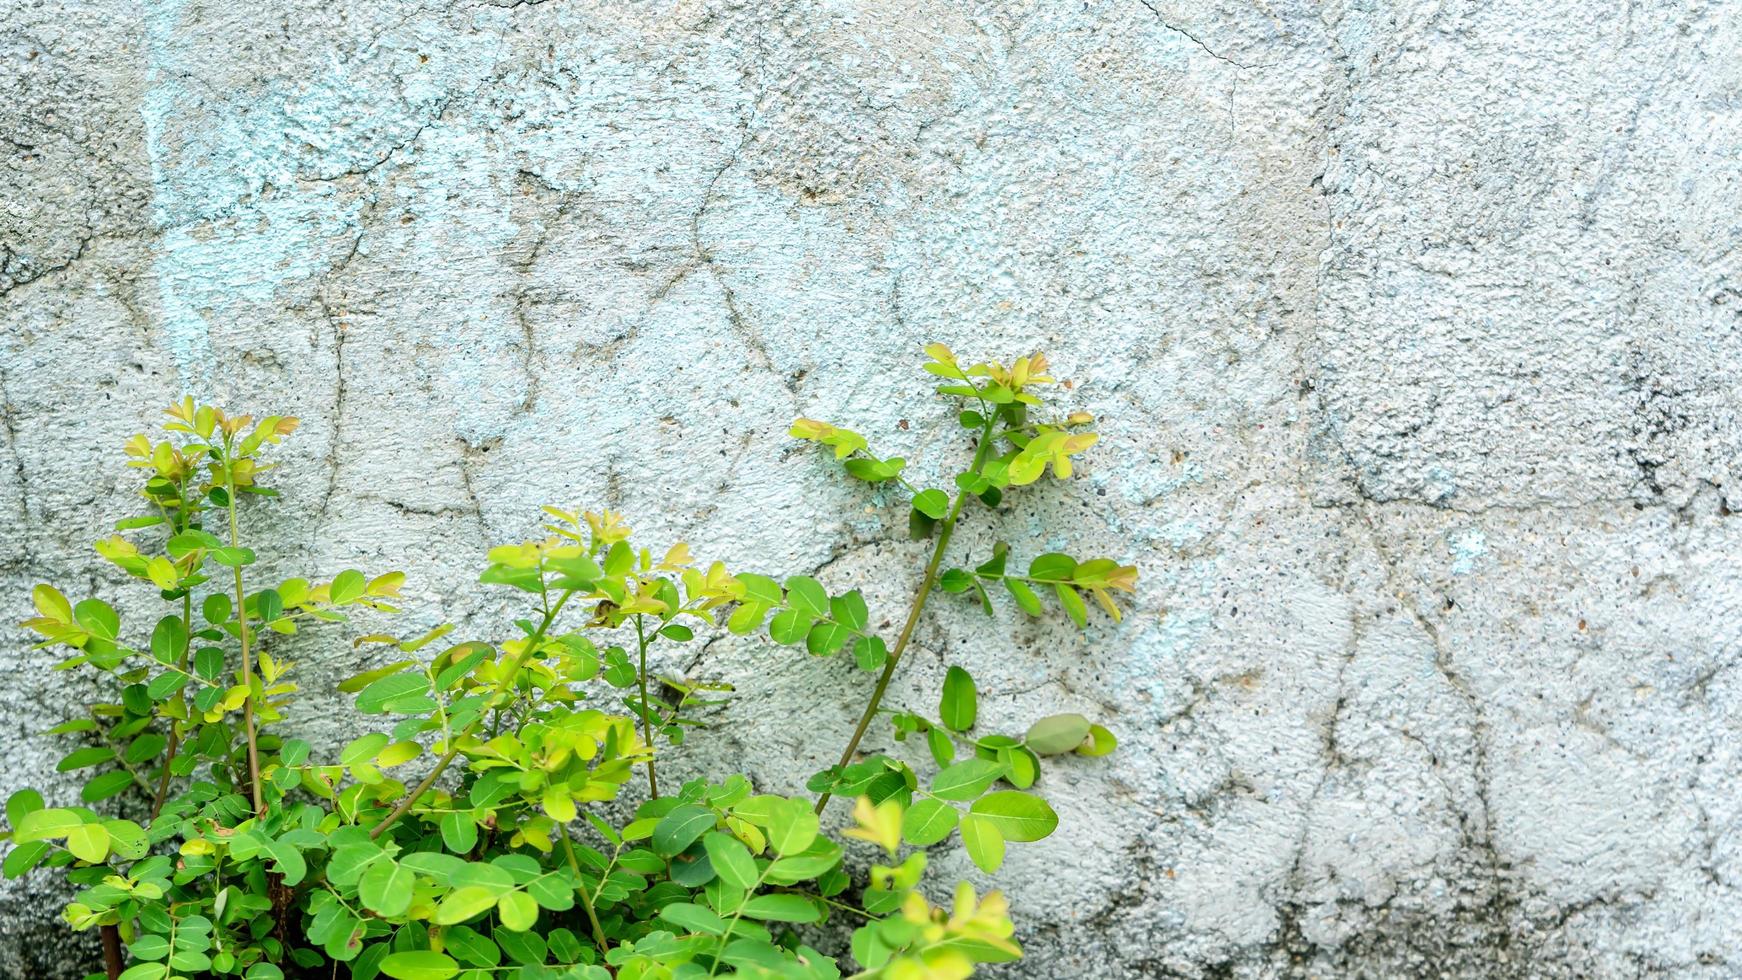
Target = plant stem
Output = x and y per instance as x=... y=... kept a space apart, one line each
x=646 y=710
x=177 y=525
x=187 y=615
x=111 y=950
x=586 y=900
x=737 y=914
x=242 y=633
x=945 y=531
x=465 y=733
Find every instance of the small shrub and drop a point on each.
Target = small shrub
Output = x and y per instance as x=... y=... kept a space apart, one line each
x=466 y=838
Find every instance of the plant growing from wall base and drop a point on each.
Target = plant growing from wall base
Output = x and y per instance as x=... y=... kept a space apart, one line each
x=473 y=835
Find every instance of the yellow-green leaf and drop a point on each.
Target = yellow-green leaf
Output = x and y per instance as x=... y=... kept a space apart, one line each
x=518 y=911
x=983 y=842
x=463 y=903
x=89 y=842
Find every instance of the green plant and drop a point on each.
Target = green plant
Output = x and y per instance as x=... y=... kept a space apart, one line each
x=502 y=859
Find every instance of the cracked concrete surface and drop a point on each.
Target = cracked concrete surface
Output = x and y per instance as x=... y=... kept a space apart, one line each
x=1415 y=327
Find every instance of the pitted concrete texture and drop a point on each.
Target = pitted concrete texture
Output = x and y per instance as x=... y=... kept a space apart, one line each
x=1415 y=327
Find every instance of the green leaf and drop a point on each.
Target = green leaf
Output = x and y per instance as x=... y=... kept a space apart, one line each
x=189 y=961
x=932 y=503
x=21 y=804
x=870 y=653
x=419 y=964
x=88 y=842
x=464 y=903
x=789 y=626
x=527 y=948
x=620 y=560
x=559 y=802
x=849 y=610
x=1052 y=567
x=98 y=618
x=398 y=693
x=149 y=947
x=805 y=593
x=495 y=878
x=518 y=911
x=294 y=752
x=350 y=861
x=471 y=946
x=1025 y=598
x=363 y=749
x=1018 y=816
x=106 y=785
x=567 y=949
x=357 y=682
x=958 y=706
x=746 y=617
x=817 y=859
x=287 y=861
x=168 y=639
x=386 y=888
x=1057 y=734
x=209 y=663
x=781 y=908
x=761 y=589
x=188 y=542
x=147 y=746
x=90 y=755
x=983 y=842
x=1100 y=742
x=127 y=839
x=556 y=892
x=348 y=586
x=955 y=580
x=680 y=828
x=927 y=822
x=459 y=832
x=232 y=557
x=693 y=918
x=943 y=750
x=1073 y=604
x=731 y=859
x=216 y=608
x=45 y=825
x=791 y=827
x=144 y=971
x=165 y=685
x=22 y=858
x=966 y=780
x=691 y=868
x=1024 y=765
x=827 y=639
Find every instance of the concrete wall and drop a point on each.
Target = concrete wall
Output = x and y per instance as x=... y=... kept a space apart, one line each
x=1416 y=327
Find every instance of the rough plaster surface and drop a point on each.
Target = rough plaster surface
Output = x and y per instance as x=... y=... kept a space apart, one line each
x=1416 y=327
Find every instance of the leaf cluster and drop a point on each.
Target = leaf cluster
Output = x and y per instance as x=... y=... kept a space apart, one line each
x=493 y=824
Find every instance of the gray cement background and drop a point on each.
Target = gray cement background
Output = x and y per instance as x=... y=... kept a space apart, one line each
x=1415 y=326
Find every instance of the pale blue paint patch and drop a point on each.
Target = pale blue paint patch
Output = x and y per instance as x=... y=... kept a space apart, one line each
x=1442 y=485
x=1181 y=533
x=1468 y=547
x=1142 y=484
x=1160 y=652
x=232 y=224
x=235 y=215
x=185 y=330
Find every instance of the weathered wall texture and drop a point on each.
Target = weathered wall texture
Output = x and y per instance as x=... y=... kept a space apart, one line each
x=1416 y=326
